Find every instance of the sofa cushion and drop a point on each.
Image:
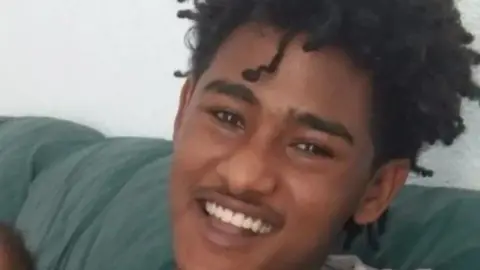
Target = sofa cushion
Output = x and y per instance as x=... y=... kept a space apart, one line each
x=102 y=207
x=22 y=144
x=434 y=228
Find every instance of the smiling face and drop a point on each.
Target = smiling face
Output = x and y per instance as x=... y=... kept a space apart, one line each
x=266 y=174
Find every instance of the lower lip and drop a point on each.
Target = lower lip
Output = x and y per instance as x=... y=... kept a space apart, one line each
x=224 y=235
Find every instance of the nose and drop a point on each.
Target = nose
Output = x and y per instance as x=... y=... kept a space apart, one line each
x=247 y=171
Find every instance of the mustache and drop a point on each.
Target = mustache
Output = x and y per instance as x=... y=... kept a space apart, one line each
x=247 y=197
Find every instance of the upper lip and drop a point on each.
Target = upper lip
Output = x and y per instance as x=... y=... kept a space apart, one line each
x=262 y=212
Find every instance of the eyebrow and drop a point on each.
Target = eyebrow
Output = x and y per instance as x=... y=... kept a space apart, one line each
x=317 y=123
x=245 y=94
x=234 y=90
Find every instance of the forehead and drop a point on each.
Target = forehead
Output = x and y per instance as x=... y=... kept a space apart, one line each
x=325 y=82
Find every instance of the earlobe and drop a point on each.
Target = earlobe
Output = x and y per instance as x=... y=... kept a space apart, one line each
x=185 y=97
x=388 y=180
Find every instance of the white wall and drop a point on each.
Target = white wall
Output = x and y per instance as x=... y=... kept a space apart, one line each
x=109 y=64
x=106 y=63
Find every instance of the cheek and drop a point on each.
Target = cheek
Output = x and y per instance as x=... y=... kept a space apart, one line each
x=194 y=145
x=316 y=203
x=321 y=204
x=199 y=145
x=315 y=212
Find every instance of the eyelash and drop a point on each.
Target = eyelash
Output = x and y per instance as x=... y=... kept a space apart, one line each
x=313 y=149
x=227 y=117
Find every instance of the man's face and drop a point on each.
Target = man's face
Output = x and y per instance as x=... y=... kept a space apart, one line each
x=266 y=174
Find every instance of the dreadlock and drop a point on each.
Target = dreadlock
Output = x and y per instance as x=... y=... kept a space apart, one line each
x=417 y=51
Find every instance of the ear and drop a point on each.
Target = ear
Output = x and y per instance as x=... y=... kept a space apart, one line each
x=388 y=180
x=185 y=97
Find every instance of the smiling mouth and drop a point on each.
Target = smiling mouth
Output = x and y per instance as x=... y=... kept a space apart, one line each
x=237 y=219
x=229 y=222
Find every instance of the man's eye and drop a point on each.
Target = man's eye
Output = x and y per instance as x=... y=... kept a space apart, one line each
x=312 y=149
x=229 y=118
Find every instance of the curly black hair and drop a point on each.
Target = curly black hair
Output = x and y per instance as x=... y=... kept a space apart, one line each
x=417 y=51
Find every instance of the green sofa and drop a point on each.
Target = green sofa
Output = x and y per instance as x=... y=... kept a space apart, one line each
x=84 y=201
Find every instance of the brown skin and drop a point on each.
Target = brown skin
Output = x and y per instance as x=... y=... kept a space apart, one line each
x=5 y=262
x=5 y=253
x=256 y=149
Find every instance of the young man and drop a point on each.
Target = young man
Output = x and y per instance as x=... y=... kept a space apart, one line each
x=13 y=253
x=300 y=120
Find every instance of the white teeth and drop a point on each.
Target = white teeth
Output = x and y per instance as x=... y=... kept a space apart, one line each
x=257 y=225
x=247 y=223
x=227 y=215
x=237 y=219
x=209 y=207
